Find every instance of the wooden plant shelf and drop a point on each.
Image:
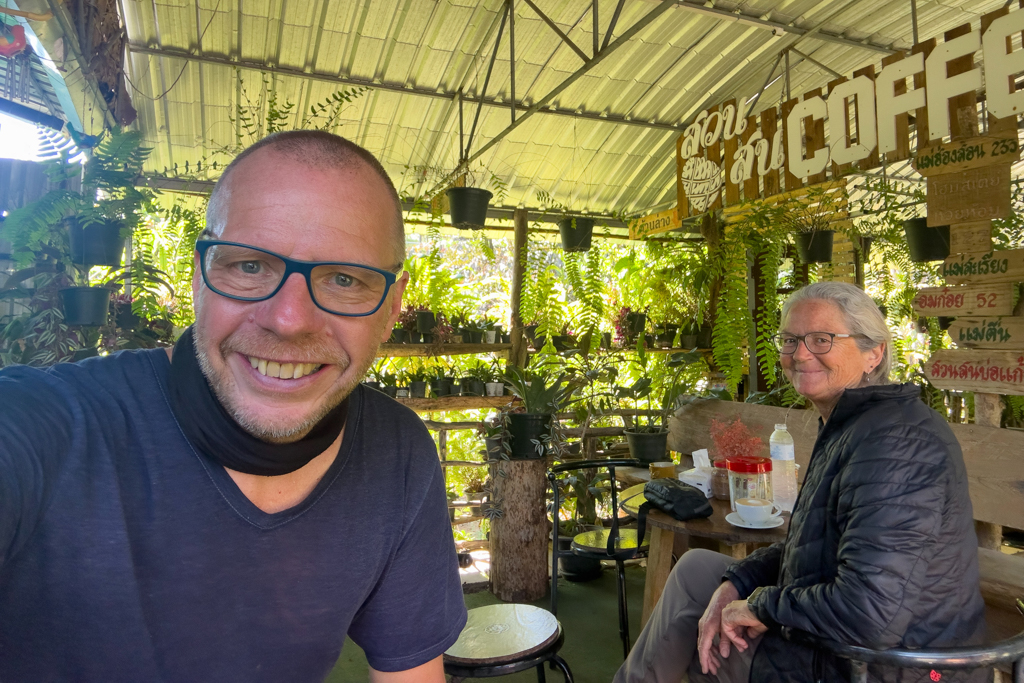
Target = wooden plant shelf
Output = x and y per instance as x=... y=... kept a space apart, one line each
x=409 y=350
x=433 y=405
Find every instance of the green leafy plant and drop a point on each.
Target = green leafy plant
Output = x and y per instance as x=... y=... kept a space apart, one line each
x=533 y=389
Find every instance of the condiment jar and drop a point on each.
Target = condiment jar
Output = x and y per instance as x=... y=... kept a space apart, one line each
x=720 y=480
x=749 y=478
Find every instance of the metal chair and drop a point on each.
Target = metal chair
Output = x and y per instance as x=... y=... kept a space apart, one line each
x=977 y=657
x=603 y=544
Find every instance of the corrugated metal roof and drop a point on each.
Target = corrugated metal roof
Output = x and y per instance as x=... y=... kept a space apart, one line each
x=191 y=59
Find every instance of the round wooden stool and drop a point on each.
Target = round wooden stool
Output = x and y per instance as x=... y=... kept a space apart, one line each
x=505 y=639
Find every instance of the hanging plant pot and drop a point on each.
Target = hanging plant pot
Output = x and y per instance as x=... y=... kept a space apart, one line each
x=95 y=244
x=468 y=206
x=814 y=246
x=926 y=244
x=576 y=233
x=523 y=430
x=85 y=305
x=647 y=447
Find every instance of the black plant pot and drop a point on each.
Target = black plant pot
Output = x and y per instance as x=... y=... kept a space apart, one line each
x=373 y=384
x=493 y=444
x=606 y=340
x=636 y=322
x=506 y=339
x=523 y=430
x=926 y=244
x=467 y=388
x=439 y=387
x=390 y=391
x=425 y=338
x=688 y=341
x=425 y=322
x=454 y=388
x=468 y=206
x=85 y=305
x=574 y=567
x=399 y=336
x=705 y=336
x=576 y=237
x=418 y=389
x=96 y=244
x=531 y=332
x=646 y=446
x=815 y=246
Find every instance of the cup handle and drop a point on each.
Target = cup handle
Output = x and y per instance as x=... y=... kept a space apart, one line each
x=776 y=510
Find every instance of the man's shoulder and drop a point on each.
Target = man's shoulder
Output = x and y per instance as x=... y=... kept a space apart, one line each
x=378 y=407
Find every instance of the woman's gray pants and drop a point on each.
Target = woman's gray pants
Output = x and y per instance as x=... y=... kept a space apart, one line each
x=667 y=647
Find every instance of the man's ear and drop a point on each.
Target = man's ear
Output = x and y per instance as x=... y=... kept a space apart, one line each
x=395 y=303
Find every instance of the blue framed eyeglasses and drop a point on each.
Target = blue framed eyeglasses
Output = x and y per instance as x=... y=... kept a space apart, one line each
x=246 y=273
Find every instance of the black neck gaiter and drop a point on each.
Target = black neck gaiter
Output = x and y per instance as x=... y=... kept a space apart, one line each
x=216 y=435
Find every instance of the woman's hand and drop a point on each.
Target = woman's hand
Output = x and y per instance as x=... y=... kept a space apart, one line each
x=710 y=625
x=738 y=621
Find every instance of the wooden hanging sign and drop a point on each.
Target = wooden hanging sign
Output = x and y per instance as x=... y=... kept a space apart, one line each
x=993 y=266
x=970 y=238
x=975 y=195
x=988 y=333
x=963 y=155
x=654 y=224
x=994 y=372
x=986 y=300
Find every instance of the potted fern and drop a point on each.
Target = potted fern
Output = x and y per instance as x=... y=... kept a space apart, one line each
x=529 y=431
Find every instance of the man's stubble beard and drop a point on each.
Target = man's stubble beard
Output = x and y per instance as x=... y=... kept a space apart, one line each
x=272 y=433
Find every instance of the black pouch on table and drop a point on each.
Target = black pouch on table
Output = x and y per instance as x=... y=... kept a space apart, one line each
x=674 y=498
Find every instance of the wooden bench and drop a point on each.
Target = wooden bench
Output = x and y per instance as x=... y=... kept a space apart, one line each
x=995 y=471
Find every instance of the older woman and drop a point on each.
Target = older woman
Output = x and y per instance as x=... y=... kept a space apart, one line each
x=881 y=550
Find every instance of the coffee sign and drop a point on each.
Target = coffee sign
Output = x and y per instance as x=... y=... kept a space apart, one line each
x=861 y=119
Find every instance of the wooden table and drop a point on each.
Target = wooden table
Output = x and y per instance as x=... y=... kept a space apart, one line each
x=667 y=533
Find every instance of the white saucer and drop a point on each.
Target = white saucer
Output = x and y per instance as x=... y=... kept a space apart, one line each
x=735 y=519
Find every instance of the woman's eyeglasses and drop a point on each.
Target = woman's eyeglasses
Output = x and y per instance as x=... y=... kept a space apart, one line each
x=818 y=343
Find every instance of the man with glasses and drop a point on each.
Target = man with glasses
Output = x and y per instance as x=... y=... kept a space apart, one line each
x=880 y=552
x=232 y=510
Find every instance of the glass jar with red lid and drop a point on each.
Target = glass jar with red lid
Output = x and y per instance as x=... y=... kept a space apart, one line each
x=749 y=478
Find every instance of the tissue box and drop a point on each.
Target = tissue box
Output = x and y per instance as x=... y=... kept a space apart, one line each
x=698 y=478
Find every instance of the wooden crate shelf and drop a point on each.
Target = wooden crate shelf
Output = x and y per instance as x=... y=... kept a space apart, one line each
x=409 y=350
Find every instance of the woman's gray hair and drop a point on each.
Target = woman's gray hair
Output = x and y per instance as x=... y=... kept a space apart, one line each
x=861 y=315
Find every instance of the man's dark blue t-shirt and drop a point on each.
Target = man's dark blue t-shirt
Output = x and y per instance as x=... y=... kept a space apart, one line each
x=127 y=556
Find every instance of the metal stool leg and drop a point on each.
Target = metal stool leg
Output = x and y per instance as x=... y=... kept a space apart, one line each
x=556 y=660
x=540 y=673
x=620 y=571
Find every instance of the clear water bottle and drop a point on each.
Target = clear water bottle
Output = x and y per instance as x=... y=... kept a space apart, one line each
x=783 y=467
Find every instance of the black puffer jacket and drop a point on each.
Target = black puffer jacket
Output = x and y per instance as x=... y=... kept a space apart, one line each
x=881 y=550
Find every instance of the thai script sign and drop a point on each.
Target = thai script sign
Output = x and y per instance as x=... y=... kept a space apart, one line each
x=974 y=195
x=654 y=224
x=994 y=266
x=962 y=155
x=970 y=238
x=970 y=300
x=996 y=372
x=988 y=333
x=861 y=120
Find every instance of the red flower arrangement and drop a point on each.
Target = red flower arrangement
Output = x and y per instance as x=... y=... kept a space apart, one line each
x=734 y=440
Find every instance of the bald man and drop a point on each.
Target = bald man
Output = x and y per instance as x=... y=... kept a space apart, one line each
x=231 y=510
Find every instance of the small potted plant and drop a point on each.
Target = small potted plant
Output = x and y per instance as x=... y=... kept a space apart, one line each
x=440 y=384
x=494 y=385
x=529 y=428
x=416 y=376
x=688 y=337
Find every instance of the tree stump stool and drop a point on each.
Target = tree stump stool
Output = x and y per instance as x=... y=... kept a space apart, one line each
x=506 y=639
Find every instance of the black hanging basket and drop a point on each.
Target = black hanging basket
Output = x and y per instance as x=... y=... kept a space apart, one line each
x=85 y=306
x=576 y=233
x=814 y=246
x=468 y=206
x=523 y=430
x=95 y=244
x=926 y=244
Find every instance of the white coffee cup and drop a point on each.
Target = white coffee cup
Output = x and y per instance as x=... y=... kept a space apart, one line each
x=757 y=510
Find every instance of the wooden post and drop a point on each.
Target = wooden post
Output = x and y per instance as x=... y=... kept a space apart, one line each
x=519 y=537
x=517 y=356
x=988 y=411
